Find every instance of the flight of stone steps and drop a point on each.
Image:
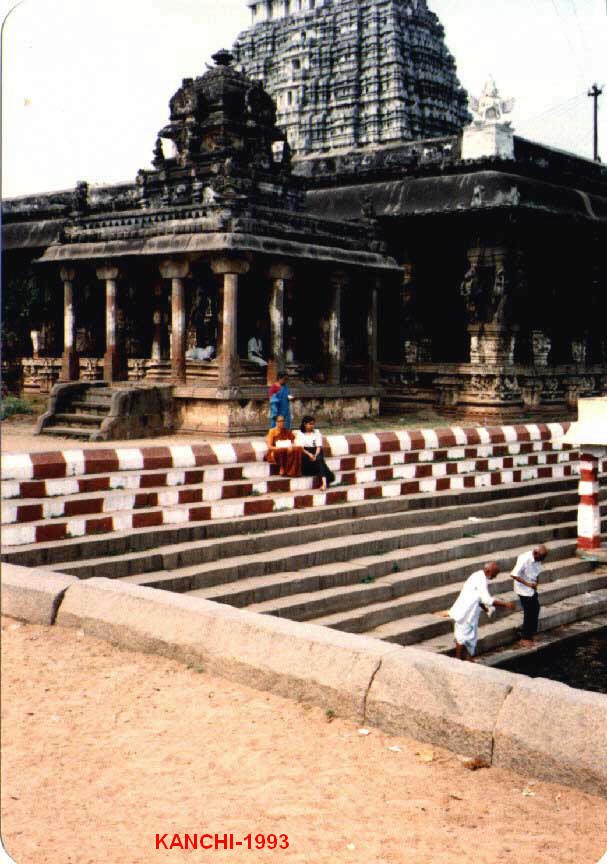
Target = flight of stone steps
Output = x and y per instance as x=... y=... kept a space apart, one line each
x=384 y=553
x=80 y=413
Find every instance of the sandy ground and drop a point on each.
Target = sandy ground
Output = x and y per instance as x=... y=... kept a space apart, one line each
x=103 y=749
x=18 y=437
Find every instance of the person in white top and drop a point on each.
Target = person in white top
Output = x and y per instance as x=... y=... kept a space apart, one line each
x=313 y=462
x=466 y=610
x=526 y=575
x=255 y=351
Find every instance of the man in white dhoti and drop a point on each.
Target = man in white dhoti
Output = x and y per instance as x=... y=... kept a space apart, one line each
x=466 y=610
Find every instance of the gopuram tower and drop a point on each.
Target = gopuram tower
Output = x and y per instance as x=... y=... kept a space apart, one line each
x=353 y=73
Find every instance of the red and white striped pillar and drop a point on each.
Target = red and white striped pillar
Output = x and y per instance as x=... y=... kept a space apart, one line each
x=589 y=511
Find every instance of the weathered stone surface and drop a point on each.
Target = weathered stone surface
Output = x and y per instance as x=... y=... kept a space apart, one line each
x=32 y=595
x=354 y=72
x=298 y=661
x=554 y=732
x=439 y=700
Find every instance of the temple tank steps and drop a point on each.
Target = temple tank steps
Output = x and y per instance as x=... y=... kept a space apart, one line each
x=385 y=554
x=125 y=492
x=282 y=550
x=79 y=516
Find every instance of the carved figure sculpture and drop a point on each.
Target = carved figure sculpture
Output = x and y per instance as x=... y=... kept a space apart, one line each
x=489 y=107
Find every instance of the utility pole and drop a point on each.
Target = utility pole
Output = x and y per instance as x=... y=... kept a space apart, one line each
x=594 y=93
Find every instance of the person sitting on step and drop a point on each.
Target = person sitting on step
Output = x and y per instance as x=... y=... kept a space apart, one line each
x=281 y=451
x=313 y=462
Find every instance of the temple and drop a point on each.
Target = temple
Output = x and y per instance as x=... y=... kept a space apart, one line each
x=328 y=191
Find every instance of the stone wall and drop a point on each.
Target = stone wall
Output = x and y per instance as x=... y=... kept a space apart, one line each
x=250 y=413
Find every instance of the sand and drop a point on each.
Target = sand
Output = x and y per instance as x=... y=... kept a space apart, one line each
x=102 y=749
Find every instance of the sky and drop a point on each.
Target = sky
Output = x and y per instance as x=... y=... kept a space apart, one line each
x=86 y=83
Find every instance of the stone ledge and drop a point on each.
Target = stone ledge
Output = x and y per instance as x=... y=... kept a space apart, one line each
x=555 y=732
x=436 y=699
x=297 y=661
x=32 y=595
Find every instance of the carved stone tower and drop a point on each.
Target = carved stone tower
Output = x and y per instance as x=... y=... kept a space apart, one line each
x=353 y=73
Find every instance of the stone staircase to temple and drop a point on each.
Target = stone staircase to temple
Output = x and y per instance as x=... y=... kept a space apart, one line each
x=384 y=553
x=79 y=413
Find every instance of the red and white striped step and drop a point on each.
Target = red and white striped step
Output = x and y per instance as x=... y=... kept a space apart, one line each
x=150 y=489
x=75 y=463
x=379 y=465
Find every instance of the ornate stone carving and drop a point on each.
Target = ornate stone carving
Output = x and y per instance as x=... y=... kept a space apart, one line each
x=540 y=345
x=578 y=351
x=489 y=107
x=386 y=77
x=490 y=133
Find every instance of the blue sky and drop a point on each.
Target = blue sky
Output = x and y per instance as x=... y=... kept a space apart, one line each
x=86 y=83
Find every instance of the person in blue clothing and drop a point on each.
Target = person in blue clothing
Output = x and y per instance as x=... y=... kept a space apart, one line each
x=280 y=401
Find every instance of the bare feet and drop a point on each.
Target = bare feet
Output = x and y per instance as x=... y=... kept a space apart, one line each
x=282 y=472
x=527 y=643
x=323 y=484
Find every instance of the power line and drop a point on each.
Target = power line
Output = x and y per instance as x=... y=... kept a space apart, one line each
x=571 y=48
x=559 y=108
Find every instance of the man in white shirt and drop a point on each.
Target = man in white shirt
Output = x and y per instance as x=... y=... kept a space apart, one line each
x=466 y=610
x=526 y=574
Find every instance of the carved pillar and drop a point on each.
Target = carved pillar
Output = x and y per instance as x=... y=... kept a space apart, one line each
x=111 y=365
x=589 y=510
x=338 y=282
x=372 y=333
x=488 y=290
x=279 y=274
x=229 y=365
x=176 y=271
x=157 y=322
x=70 y=368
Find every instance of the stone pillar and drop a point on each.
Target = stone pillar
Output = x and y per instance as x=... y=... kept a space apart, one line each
x=111 y=365
x=279 y=274
x=372 y=333
x=176 y=271
x=338 y=282
x=227 y=350
x=589 y=511
x=70 y=367
x=157 y=321
x=489 y=287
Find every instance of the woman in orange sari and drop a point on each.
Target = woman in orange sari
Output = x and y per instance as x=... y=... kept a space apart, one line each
x=287 y=457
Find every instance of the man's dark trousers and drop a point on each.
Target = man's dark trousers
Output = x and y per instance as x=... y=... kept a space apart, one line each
x=531 y=613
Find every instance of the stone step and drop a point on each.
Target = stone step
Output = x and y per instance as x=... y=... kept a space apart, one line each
x=506 y=630
x=89 y=405
x=75 y=432
x=63 y=527
x=359 y=516
x=395 y=446
x=426 y=629
x=183 y=577
x=427 y=583
x=124 y=492
x=247 y=591
x=134 y=469
x=437 y=581
x=252 y=590
x=78 y=419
